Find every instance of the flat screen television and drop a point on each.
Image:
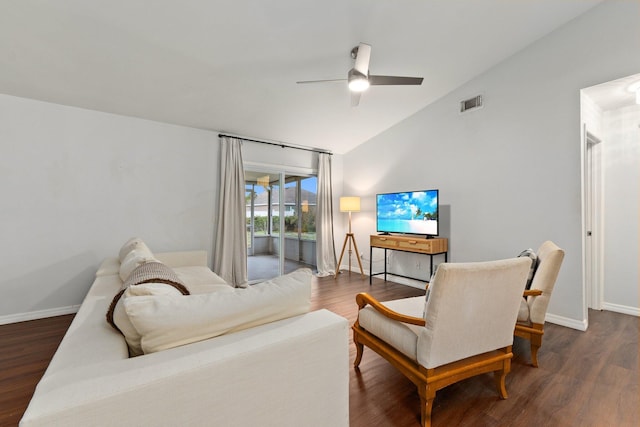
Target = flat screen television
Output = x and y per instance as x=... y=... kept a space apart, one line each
x=409 y=212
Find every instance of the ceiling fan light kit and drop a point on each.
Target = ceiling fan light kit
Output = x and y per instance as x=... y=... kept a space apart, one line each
x=635 y=88
x=359 y=80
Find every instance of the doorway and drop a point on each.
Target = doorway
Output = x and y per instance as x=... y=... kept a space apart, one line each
x=280 y=215
x=610 y=150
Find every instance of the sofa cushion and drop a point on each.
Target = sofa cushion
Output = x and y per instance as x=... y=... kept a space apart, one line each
x=201 y=280
x=534 y=265
x=169 y=321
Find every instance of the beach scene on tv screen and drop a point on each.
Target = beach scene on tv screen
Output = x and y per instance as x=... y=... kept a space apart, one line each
x=412 y=212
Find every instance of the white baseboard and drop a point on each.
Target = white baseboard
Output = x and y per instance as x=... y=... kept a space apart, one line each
x=405 y=281
x=580 y=325
x=418 y=284
x=40 y=314
x=633 y=311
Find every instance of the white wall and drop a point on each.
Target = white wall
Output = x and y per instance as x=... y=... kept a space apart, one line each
x=510 y=172
x=76 y=184
x=591 y=115
x=621 y=155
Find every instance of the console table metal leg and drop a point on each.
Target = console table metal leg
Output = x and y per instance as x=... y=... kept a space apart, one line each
x=370 y=264
x=385 y=264
x=430 y=266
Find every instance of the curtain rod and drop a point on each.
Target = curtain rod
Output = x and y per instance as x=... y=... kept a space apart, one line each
x=278 y=144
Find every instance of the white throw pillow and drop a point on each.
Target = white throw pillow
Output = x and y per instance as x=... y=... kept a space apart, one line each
x=169 y=321
x=131 y=244
x=133 y=260
x=121 y=319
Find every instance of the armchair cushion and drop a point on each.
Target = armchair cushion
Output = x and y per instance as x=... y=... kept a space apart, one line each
x=428 y=291
x=523 y=313
x=402 y=336
x=550 y=259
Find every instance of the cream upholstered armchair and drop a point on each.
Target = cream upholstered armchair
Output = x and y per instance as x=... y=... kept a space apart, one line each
x=463 y=329
x=533 y=307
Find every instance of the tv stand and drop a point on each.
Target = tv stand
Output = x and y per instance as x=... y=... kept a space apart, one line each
x=418 y=245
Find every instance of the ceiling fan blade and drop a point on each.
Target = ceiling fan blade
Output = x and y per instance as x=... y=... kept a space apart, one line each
x=394 y=80
x=322 y=81
x=355 y=98
x=362 y=58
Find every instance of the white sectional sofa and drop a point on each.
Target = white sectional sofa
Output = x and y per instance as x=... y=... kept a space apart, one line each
x=290 y=372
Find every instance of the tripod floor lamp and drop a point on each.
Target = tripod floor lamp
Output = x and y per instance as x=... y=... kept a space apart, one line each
x=349 y=204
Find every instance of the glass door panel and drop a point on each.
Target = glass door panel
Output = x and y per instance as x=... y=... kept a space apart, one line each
x=281 y=230
x=263 y=261
x=249 y=196
x=291 y=223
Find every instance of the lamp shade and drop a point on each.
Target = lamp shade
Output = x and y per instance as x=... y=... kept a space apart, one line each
x=349 y=204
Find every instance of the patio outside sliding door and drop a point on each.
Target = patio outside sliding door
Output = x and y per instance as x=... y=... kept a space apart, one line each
x=280 y=215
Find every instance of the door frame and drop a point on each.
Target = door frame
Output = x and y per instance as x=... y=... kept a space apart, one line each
x=593 y=217
x=283 y=172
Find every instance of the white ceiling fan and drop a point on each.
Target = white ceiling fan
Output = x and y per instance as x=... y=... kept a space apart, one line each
x=359 y=78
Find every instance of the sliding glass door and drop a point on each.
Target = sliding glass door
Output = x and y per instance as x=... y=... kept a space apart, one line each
x=280 y=215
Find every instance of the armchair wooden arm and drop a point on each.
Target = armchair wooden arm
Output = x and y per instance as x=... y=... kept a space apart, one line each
x=532 y=292
x=362 y=299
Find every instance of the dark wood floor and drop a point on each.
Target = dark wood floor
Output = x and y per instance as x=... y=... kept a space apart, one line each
x=584 y=379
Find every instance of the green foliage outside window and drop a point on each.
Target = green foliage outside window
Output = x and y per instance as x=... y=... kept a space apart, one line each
x=308 y=232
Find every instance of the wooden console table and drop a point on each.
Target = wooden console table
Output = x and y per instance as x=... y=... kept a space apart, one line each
x=418 y=245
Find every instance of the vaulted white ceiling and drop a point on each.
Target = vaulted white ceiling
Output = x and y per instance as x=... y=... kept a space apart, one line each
x=232 y=65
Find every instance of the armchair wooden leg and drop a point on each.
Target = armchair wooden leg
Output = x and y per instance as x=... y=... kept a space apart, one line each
x=534 y=334
x=426 y=403
x=499 y=378
x=359 y=351
x=536 y=343
x=500 y=375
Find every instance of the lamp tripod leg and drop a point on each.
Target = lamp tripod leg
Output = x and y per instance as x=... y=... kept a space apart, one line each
x=357 y=255
x=350 y=239
x=344 y=246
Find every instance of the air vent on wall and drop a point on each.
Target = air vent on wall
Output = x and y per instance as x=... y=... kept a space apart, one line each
x=471 y=103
